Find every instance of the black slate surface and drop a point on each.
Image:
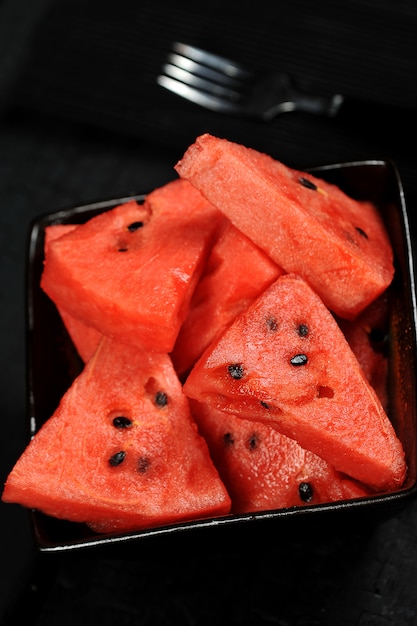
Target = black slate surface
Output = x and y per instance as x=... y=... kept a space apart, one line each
x=81 y=119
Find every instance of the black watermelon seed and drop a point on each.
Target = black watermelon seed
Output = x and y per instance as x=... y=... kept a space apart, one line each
x=264 y=404
x=134 y=226
x=161 y=399
x=302 y=330
x=305 y=182
x=299 y=359
x=123 y=249
x=378 y=340
x=236 y=371
x=253 y=441
x=377 y=335
x=122 y=422
x=361 y=232
x=143 y=464
x=228 y=439
x=117 y=458
x=272 y=323
x=305 y=491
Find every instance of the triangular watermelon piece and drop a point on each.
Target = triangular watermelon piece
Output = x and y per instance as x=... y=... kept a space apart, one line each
x=265 y=470
x=121 y=452
x=285 y=361
x=307 y=225
x=130 y=272
x=85 y=338
x=236 y=272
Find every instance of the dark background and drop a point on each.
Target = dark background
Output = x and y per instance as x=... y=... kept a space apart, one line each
x=82 y=119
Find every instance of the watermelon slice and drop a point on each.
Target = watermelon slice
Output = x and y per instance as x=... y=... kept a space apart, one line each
x=85 y=338
x=306 y=225
x=134 y=268
x=121 y=452
x=285 y=362
x=263 y=469
x=236 y=272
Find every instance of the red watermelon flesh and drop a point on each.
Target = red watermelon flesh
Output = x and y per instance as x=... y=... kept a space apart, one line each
x=285 y=362
x=130 y=272
x=121 y=452
x=306 y=225
x=367 y=336
x=236 y=272
x=85 y=338
x=263 y=469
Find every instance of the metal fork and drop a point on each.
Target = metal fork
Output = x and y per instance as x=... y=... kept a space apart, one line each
x=225 y=86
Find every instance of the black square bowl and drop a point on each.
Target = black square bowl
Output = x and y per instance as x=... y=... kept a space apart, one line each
x=52 y=363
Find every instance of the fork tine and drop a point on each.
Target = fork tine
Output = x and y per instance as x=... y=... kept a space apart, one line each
x=206 y=79
x=199 y=82
x=222 y=64
x=200 y=78
x=186 y=66
x=204 y=99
